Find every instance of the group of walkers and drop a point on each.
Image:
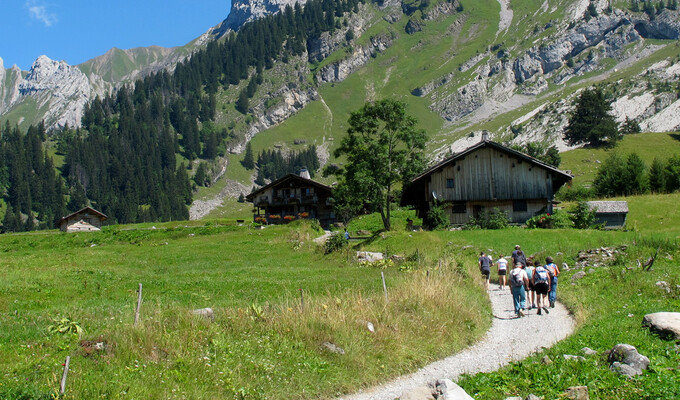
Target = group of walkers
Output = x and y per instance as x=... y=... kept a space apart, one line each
x=533 y=286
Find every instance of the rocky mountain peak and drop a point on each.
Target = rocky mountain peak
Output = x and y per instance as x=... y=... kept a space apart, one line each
x=243 y=11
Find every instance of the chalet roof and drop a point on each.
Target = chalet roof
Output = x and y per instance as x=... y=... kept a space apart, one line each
x=86 y=210
x=608 y=207
x=488 y=143
x=286 y=179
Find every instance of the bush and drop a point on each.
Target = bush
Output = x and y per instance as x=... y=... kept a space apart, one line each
x=582 y=216
x=436 y=219
x=557 y=220
x=336 y=242
x=497 y=219
x=574 y=193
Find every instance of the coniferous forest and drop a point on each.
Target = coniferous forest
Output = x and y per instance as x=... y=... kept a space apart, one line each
x=124 y=160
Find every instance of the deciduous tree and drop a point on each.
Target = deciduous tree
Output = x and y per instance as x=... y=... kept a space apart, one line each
x=383 y=147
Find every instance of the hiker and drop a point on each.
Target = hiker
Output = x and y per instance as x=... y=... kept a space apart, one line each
x=553 y=271
x=514 y=254
x=518 y=281
x=519 y=257
x=346 y=235
x=531 y=295
x=502 y=265
x=485 y=268
x=541 y=287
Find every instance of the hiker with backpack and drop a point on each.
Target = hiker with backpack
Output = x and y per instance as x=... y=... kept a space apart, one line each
x=518 y=281
x=485 y=268
x=541 y=287
x=531 y=295
x=553 y=271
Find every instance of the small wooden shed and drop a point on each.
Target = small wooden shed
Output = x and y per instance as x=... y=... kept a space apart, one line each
x=84 y=220
x=610 y=213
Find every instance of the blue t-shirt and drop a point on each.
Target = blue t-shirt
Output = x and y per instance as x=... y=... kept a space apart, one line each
x=485 y=263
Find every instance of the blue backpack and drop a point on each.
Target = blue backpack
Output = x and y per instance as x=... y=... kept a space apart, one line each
x=541 y=275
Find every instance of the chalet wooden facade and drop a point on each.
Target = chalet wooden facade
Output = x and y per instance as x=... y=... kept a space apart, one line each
x=293 y=196
x=84 y=220
x=484 y=177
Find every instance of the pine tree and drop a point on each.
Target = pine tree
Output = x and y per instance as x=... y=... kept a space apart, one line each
x=242 y=104
x=656 y=176
x=591 y=122
x=248 y=162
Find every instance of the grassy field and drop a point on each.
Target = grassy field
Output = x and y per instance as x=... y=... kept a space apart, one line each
x=260 y=345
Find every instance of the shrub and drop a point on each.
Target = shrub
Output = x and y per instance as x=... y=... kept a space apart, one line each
x=574 y=193
x=582 y=216
x=557 y=220
x=436 y=219
x=336 y=242
x=497 y=219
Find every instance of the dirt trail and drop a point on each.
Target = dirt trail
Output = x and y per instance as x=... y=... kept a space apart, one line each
x=509 y=339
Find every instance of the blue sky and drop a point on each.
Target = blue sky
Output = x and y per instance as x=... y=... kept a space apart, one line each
x=78 y=30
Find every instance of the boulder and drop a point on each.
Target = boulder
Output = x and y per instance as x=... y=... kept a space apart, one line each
x=413 y=26
x=369 y=256
x=578 y=275
x=546 y=360
x=625 y=354
x=332 y=348
x=417 y=393
x=577 y=393
x=448 y=390
x=204 y=312
x=665 y=324
x=588 y=351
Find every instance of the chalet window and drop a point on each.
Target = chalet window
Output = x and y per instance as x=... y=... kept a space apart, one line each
x=519 y=205
x=459 y=207
x=449 y=183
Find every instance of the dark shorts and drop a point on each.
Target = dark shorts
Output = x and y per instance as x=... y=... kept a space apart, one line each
x=502 y=272
x=531 y=287
x=541 y=288
x=486 y=273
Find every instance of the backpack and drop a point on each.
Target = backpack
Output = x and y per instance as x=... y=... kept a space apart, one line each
x=541 y=275
x=552 y=269
x=516 y=279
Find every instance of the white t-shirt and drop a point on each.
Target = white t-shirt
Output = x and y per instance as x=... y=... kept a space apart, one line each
x=502 y=264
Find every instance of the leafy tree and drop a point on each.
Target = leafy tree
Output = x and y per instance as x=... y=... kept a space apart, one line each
x=656 y=176
x=611 y=177
x=248 y=161
x=383 y=147
x=591 y=122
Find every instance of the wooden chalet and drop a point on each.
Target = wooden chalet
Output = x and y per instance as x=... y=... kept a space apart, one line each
x=84 y=220
x=484 y=177
x=293 y=196
x=610 y=213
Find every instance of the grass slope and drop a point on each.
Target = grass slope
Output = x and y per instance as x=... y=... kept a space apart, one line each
x=260 y=345
x=585 y=162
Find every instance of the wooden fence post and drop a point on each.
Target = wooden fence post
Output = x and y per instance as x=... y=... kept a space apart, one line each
x=62 y=386
x=382 y=275
x=139 y=304
x=302 y=300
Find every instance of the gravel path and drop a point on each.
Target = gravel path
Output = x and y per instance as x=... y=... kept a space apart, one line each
x=509 y=339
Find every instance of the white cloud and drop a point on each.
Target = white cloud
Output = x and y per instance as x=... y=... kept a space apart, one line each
x=40 y=13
